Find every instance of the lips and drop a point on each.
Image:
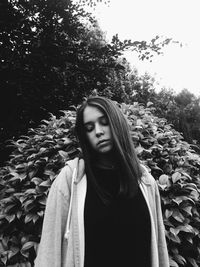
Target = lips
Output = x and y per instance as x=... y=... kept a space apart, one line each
x=103 y=142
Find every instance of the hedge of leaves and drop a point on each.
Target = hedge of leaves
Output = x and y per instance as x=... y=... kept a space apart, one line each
x=39 y=156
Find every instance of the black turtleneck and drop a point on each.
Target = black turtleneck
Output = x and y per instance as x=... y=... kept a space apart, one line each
x=116 y=234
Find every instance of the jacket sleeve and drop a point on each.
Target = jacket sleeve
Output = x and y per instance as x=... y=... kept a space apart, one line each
x=55 y=218
x=162 y=245
x=155 y=206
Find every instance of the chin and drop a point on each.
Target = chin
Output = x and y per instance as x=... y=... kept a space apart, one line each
x=105 y=150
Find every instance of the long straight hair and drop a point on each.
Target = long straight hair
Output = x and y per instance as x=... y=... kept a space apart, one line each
x=124 y=151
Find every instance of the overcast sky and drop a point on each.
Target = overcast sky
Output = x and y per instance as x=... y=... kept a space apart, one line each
x=144 y=19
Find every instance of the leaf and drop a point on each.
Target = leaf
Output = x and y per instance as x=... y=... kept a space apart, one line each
x=29 y=217
x=63 y=154
x=135 y=137
x=25 y=253
x=32 y=173
x=157 y=146
x=8 y=199
x=174 y=238
x=179 y=200
x=36 y=180
x=194 y=195
x=46 y=183
x=189 y=239
x=19 y=214
x=174 y=231
x=43 y=200
x=4 y=258
x=138 y=127
x=40 y=213
x=149 y=104
x=188 y=209
x=157 y=169
x=35 y=218
x=8 y=208
x=42 y=150
x=188 y=228
x=2 y=216
x=21 y=166
x=180 y=259
x=12 y=252
x=168 y=213
x=67 y=140
x=29 y=205
x=193 y=262
x=173 y=263
x=176 y=177
x=10 y=218
x=191 y=186
x=163 y=179
x=30 y=191
x=10 y=191
x=162 y=186
x=139 y=150
x=186 y=175
x=178 y=216
x=22 y=176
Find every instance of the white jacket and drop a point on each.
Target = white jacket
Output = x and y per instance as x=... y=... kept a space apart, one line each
x=62 y=240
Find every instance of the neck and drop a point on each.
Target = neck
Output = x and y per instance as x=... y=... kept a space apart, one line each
x=106 y=161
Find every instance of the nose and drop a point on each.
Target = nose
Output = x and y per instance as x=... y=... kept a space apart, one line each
x=98 y=130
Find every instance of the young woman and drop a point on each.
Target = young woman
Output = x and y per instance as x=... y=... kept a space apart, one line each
x=103 y=210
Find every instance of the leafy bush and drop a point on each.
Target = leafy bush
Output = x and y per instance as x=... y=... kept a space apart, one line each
x=25 y=183
x=39 y=156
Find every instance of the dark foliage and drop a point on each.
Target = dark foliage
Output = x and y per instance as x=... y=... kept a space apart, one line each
x=183 y=111
x=48 y=61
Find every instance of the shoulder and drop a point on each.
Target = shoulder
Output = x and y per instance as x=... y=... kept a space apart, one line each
x=63 y=180
x=149 y=183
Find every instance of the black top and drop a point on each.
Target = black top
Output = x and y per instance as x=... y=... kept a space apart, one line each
x=117 y=234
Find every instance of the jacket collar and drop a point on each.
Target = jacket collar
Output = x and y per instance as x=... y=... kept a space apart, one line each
x=78 y=167
x=145 y=176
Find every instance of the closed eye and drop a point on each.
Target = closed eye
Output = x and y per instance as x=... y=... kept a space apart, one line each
x=104 y=120
x=89 y=127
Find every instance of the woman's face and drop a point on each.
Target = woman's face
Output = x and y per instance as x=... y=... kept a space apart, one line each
x=97 y=128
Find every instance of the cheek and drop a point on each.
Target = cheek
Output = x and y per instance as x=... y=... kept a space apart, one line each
x=90 y=138
x=109 y=132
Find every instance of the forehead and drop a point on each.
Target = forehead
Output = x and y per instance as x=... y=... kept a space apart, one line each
x=91 y=114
